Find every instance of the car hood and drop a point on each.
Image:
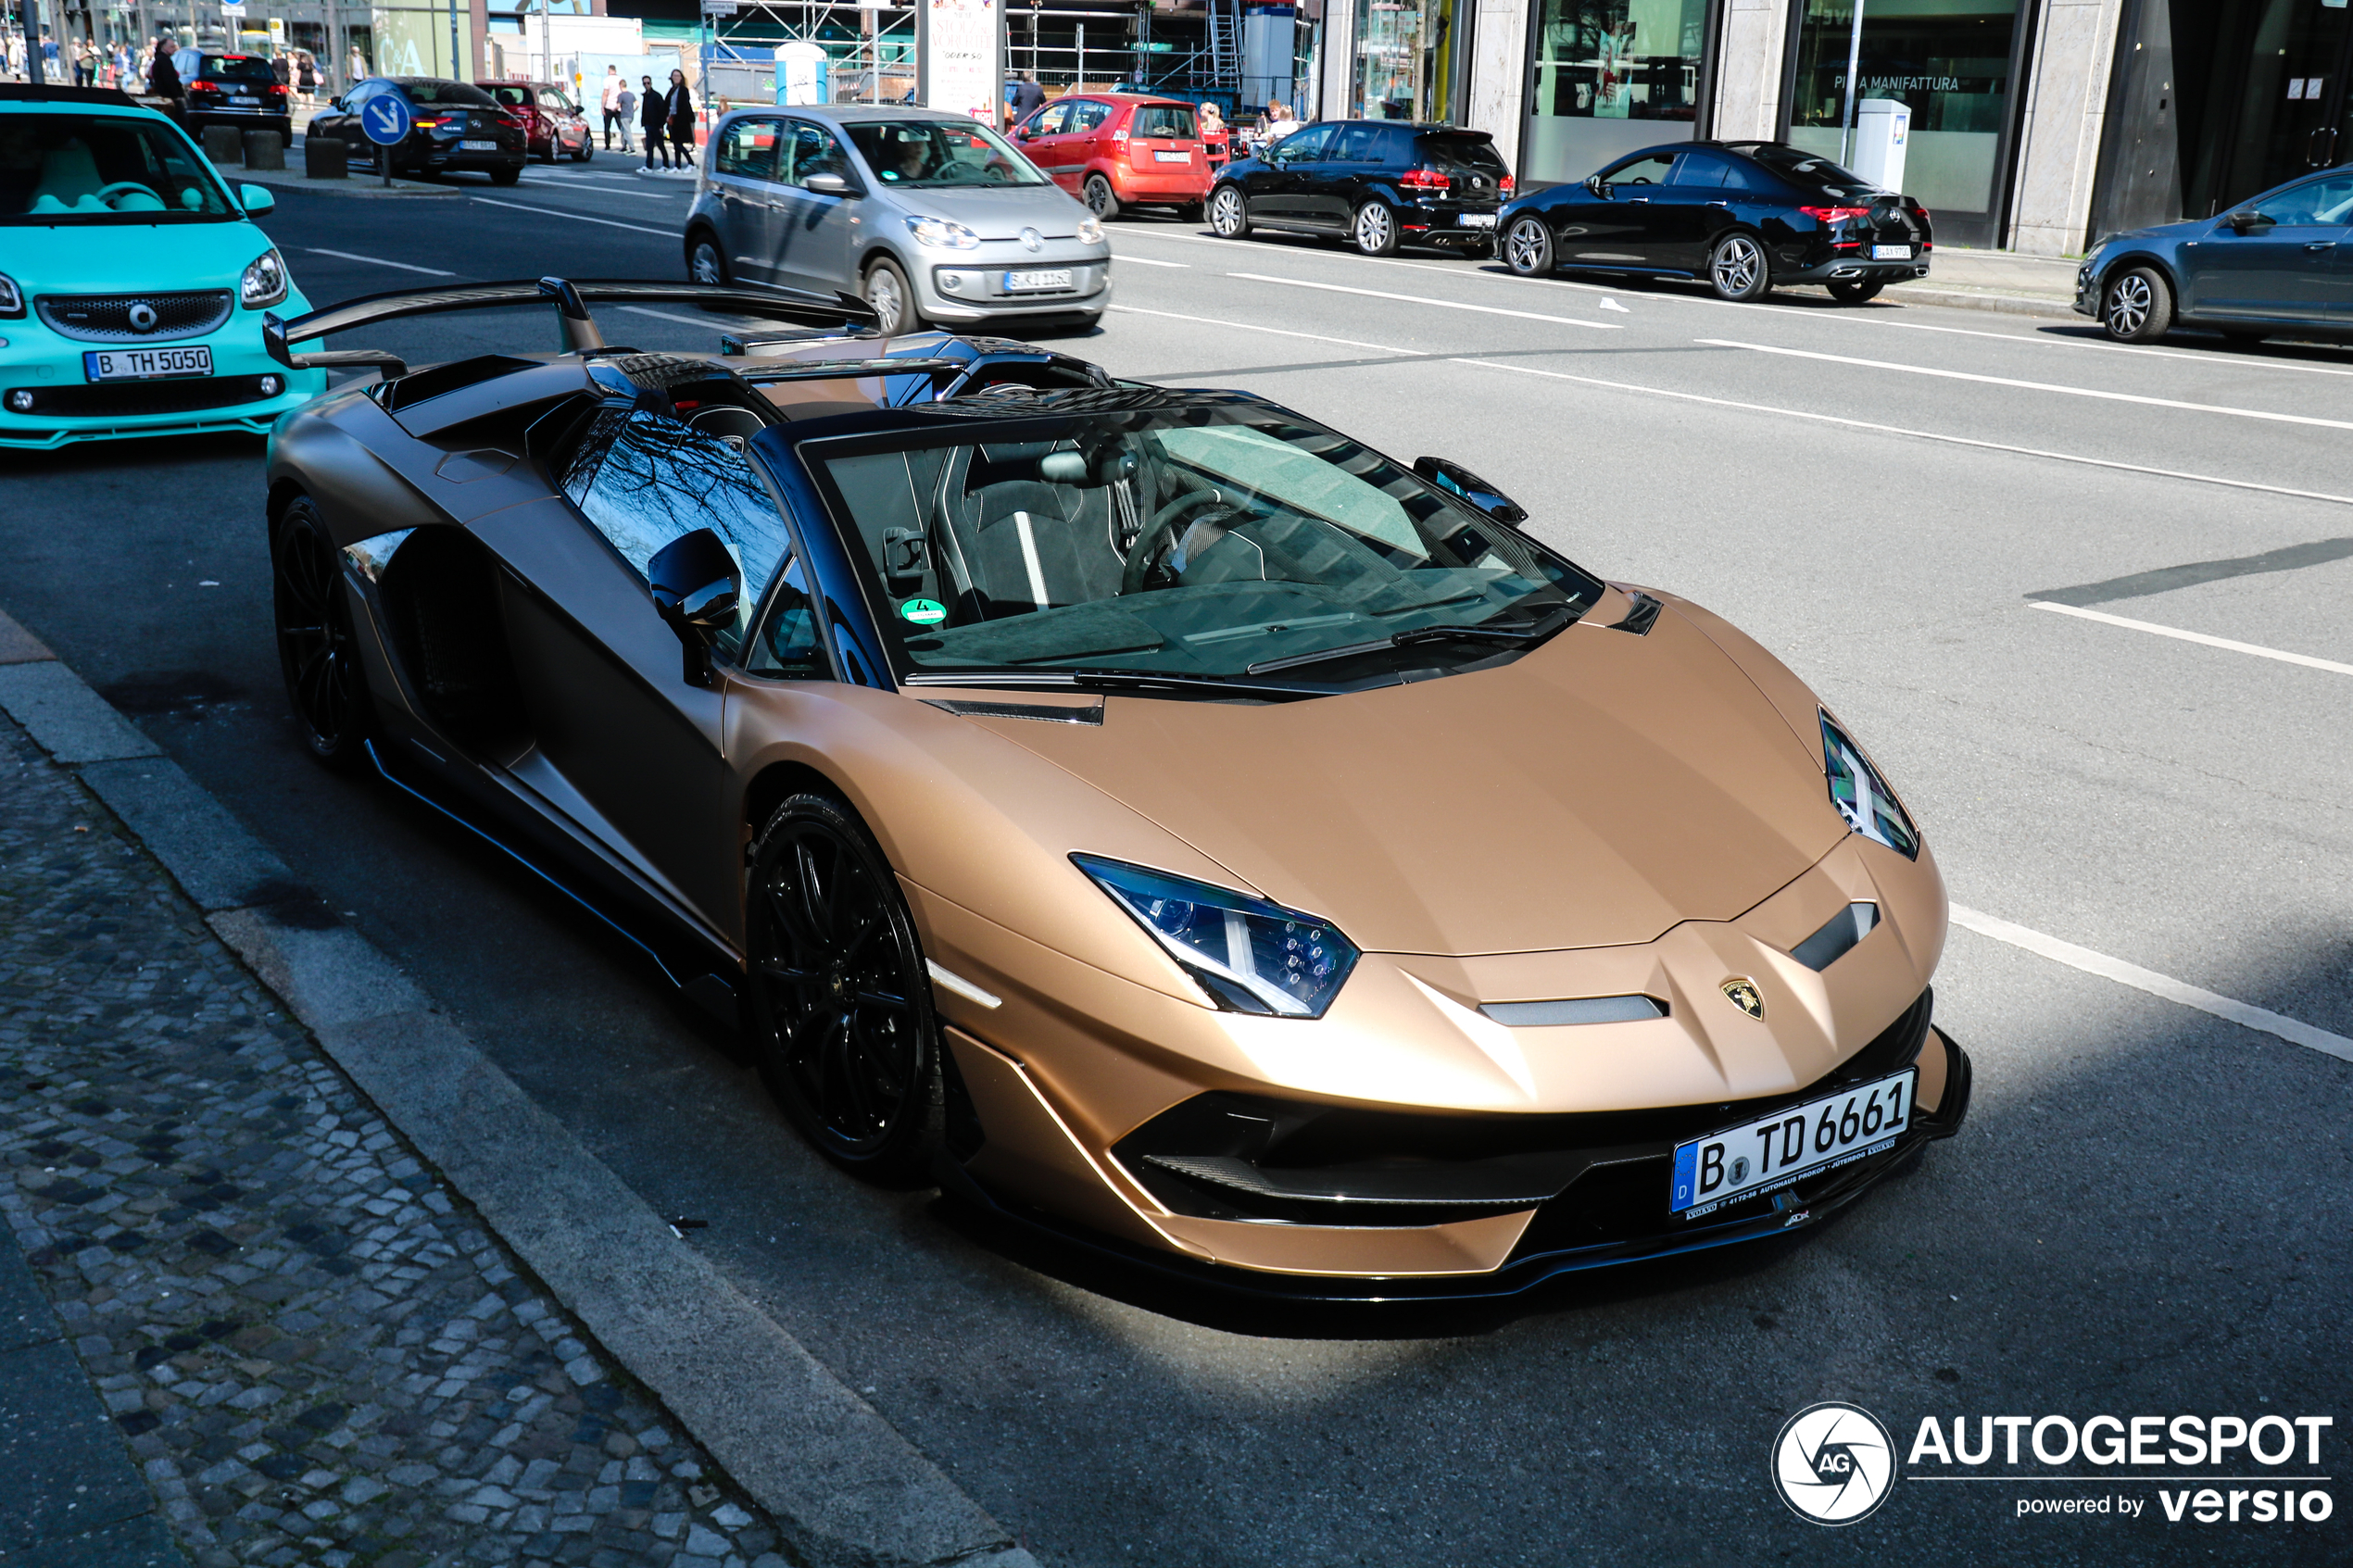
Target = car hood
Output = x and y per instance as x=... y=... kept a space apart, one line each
x=121 y=258
x=995 y=212
x=1595 y=793
x=2188 y=229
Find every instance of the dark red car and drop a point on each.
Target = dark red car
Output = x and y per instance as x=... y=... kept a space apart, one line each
x=553 y=125
x=1114 y=149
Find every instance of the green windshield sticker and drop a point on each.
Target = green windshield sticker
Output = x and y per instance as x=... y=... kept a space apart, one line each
x=924 y=612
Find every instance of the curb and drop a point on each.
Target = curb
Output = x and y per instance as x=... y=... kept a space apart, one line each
x=350 y=185
x=849 y=1489
x=2009 y=304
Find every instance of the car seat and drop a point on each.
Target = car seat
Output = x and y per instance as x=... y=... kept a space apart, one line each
x=69 y=180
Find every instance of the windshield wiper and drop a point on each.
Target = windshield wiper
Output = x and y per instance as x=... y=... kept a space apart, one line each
x=1517 y=633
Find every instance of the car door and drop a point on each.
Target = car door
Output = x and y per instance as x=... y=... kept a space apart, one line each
x=1690 y=212
x=1041 y=137
x=2282 y=267
x=743 y=160
x=1336 y=183
x=1086 y=143
x=625 y=744
x=1277 y=190
x=812 y=234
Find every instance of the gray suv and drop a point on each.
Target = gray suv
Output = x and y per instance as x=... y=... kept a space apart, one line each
x=927 y=216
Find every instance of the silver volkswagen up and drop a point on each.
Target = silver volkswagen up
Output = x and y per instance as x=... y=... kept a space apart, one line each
x=926 y=215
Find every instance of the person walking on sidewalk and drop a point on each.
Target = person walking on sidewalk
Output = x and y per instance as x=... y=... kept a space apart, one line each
x=624 y=103
x=611 y=101
x=163 y=77
x=681 y=105
x=651 y=118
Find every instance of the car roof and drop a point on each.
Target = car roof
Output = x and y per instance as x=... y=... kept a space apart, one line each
x=853 y=114
x=1125 y=98
x=24 y=96
x=1416 y=126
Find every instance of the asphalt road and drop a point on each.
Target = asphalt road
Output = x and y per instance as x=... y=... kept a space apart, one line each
x=2147 y=1215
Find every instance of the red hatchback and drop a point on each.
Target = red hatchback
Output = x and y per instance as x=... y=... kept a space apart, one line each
x=553 y=126
x=1115 y=149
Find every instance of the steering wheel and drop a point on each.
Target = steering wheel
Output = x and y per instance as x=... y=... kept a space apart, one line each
x=1158 y=534
x=125 y=187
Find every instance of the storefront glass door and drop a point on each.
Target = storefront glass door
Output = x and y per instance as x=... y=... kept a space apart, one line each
x=1412 y=60
x=1610 y=77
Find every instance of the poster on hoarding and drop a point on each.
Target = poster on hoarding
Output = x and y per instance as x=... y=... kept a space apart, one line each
x=959 y=57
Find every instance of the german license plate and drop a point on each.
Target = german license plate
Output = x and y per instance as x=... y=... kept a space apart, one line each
x=1041 y=278
x=1165 y=157
x=1476 y=220
x=477 y=146
x=246 y=103
x=146 y=364
x=1890 y=253
x=1773 y=1151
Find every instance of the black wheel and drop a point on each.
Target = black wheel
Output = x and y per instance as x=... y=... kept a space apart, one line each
x=1097 y=195
x=1374 y=230
x=1228 y=214
x=841 y=1000
x=2137 y=305
x=1189 y=212
x=1737 y=269
x=885 y=288
x=1855 y=290
x=588 y=150
x=506 y=176
x=549 y=156
x=324 y=682
x=1528 y=246
x=706 y=263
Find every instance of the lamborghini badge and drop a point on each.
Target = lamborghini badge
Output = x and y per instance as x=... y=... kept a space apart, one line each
x=1746 y=996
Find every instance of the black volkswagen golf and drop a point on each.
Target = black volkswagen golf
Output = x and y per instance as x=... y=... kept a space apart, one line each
x=1380 y=183
x=1744 y=216
x=456 y=125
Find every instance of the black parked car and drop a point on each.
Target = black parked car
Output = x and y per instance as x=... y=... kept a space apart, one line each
x=457 y=126
x=1380 y=183
x=1742 y=214
x=236 y=90
x=2276 y=263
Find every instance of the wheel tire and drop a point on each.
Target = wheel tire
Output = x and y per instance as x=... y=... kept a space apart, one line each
x=2137 y=305
x=885 y=288
x=1190 y=212
x=706 y=263
x=506 y=176
x=839 y=999
x=588 y=150
x=1374 y=229
x=1228 y=214
x=1527 y=247
x=548 y=157
x=1737 y=269
x=1856 y=291
x=1098 y=195
x=317 y=652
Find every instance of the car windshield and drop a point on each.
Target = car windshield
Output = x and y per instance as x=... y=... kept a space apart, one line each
x=424 y=91
x=935 y=154
x=1809 y=171
x=103 y=169
x=236 y=67
x=1218 y=543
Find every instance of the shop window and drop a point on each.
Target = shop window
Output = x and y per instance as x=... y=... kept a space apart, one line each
x=1611 y=76
x=1411 y=63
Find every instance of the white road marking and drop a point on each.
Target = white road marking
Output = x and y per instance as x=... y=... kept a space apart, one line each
x=1277 y=332
x=2155 y=984
x=578 y=217
x=379 y=261
x=2217 y=359
x=1146 y=260
x=1915 y=435
x=2034 y=385
x=1442 y=303
x=600 y=191
x=2151 y=626
x=1609 y=304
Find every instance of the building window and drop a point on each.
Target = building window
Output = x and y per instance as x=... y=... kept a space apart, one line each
x=1611 y=76
x=1948 y=60
x=1412 y=60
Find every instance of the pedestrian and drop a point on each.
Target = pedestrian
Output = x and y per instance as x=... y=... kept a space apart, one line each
x=282 y=67
x=681 y=105
x=614 y=87
x=653 y=118
x=85 y=64
x=624 y=103
x=307 y=77
x=1027 y=95
x=123 y=65
x=163 y=77
x=356 y=69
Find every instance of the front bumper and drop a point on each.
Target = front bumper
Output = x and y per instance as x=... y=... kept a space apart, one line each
x=2087 y=288
x=68 y=408
x=970 y=285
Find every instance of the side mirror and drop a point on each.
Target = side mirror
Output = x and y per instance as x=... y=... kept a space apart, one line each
x=1456 y=479
x=696 y=589
x=2247 y=220
x=256 y=200
x=824 y=183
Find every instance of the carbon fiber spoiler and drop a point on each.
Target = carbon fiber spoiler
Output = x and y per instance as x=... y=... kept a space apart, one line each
x=841 y=313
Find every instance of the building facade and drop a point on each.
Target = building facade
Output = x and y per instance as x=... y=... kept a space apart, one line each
x=2036 y=125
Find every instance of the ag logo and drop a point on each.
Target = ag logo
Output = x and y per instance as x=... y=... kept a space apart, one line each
x=1833 y=1463
x=1744 y=996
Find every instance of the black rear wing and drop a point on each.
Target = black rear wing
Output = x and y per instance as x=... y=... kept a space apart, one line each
x=840 y=314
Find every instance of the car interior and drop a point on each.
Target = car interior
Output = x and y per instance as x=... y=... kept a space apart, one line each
x=58 y=164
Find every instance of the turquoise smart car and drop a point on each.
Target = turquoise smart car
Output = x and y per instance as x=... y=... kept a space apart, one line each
x=132 y=279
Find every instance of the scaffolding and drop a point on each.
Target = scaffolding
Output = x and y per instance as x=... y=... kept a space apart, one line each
x=870 y=49
x=1093 y=49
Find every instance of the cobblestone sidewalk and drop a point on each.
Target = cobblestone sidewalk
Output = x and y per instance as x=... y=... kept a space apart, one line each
x=312 y=1355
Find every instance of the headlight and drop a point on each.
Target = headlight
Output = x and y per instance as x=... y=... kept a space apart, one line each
x=1863 y=797
x=264 y=282
x=1250 y=956
x=941 y=233
x=1090 y=229
x=11 y=296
